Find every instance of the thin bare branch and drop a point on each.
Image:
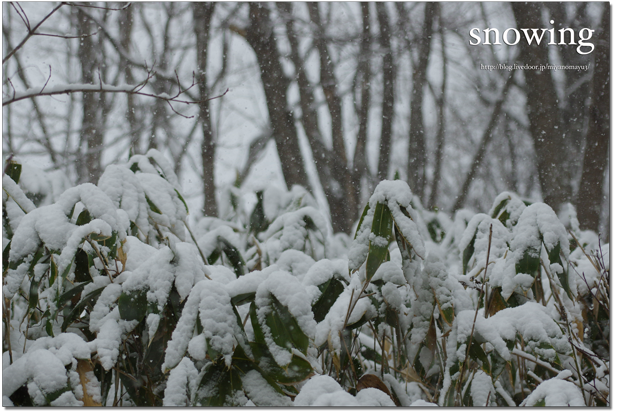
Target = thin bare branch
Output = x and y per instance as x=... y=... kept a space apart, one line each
x=54 y=35
x=46 y=81
x=88 y=6
x=22 y=15
x=31 y=32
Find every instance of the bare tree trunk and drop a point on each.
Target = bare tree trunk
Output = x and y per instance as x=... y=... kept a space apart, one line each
x=360 y=164
x=482 y=148
x=441 y=126
x=339 y=189
x=416 y=161
x=596 y=157
x=542 y=109
x=261 y=38
x=89 y=168
x=385 y=145
x=202 y=24
x=125 y=28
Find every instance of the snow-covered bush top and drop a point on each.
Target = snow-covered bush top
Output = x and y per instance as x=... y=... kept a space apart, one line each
x=111 y=298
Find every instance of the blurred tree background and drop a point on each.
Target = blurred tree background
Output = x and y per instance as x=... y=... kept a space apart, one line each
x=332 y=96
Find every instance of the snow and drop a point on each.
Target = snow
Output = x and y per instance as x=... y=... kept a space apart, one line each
x=390 y=272
x=422 y=403
x=108 y=342
x=10 y=188
x=166 y=200
x=189 y=268
x=126 y=192
x=555 y=392
x=208 y=328
x=290 y=231
x=323 y=270
x=373 y=397
x=534 y=322
x=292 y=295
x=45 y=370
x=217 y=318
x=328 y=330
x=261 y=393
x=482 y=389
x=322 y=390
x=47 y=225
x=295 y=262
x=179 y=383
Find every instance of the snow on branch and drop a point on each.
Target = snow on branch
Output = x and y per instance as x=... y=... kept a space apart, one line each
x=102 y=87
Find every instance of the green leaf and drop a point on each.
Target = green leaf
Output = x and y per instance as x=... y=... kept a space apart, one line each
x=330 y=291
x=554 y=257
x=51 y=397
x=284 y=328
x=529 y=262
x=71 y=293
x=152 y=205
x=111 y=243
x=132 y=305
x=501 y=205
x=33 y=294
x=297 y=371
x=182 y=200
x=382 y=230
x=258 y=220
x=83 y=218
x=82 y=266
x=243 y=298
x=233 y=255
x=468 y=252
x=49 y=328
x=14 y=171
x=310 y=226
x=218 y=385
x=76 y=312
x=477 y=352
x=245 y=365
x=53 y=271
x=447 y=314
x=212 y=258
x=499 y=364
x=435 y=230
x=5 y=255
x=362 y=218
x=98 y=237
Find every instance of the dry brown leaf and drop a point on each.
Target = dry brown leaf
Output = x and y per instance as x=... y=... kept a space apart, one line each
x=372 y=381
x=83 y=367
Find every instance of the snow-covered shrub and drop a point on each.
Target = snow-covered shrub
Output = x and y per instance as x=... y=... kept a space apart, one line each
x=110 y=298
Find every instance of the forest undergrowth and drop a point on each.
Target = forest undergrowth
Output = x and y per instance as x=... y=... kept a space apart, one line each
x=111 y=298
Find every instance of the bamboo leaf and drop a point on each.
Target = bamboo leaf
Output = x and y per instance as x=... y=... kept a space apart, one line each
x=133 y=305
x=284 y=328
x=359 y=224
x=83 y=218
x=529 y=262
x=182 y=200
x=233 y=255
x=152 y=205
x=14 y=171
x=554 y=257
x=468 y=252
x=218 y=385
x=330 y=291
x=381 y=232
x=76 y=312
